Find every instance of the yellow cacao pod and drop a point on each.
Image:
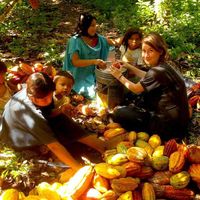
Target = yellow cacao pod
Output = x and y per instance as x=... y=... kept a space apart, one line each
x=10 y=194
x=106 y=170
x=124 y=184
x=117 y=159
x=158 y=151
x=80 y=182
x=126 y=196
x=113 y=125
x=154 y=141
x=143 y=136
x=160 y=163
x=137 y=154
x=180 y=180
x=114 y=132
x=176 y=162
x=148 y=192
x=132 y=136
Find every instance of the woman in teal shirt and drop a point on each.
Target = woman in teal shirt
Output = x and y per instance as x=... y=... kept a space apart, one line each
x=85 y=50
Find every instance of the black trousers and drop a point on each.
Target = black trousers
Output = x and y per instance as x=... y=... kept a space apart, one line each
x=134 y=118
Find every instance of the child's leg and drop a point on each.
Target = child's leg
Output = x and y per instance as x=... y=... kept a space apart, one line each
x=94 y=142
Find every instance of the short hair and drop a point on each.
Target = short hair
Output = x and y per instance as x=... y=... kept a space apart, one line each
x=3 y=68
x=66 y=74
x=39 y=85
x=156 y=41
x=85 y=20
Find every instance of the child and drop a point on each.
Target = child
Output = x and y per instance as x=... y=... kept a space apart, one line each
x=64 y=82
x=131 y=47
x=6 y=91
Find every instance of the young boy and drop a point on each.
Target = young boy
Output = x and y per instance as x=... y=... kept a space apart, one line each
x=64 y=82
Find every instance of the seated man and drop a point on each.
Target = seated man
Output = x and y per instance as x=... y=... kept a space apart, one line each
x=25 y=122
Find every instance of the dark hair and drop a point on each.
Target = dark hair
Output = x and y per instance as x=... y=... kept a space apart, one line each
x=66 y=74
x=39 y=85
x=128 y=35
x=155 y=41
x=3 y=68
x=84 y=23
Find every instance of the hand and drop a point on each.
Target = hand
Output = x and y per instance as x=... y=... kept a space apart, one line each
x=68 y=110
x=118 y=64
x=115 y=72
x=100 y=63
x=78 y=98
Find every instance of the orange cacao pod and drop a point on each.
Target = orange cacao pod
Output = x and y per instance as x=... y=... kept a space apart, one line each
x=194 y=154
x=132 y=168
x=136 y=195
x=170 y=147
x=27 y=69
x=176 y=162
x=161 y=178
x=124 y=184
x=169 y=192
x=194 y=171
x=177 y=194
x=145 y=172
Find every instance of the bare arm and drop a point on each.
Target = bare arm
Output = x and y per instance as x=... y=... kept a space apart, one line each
x=115 y=42
x=77 y=62
x=63 y=155
x=134 y=87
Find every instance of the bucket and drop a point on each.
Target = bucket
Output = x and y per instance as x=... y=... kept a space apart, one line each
x=110 y=92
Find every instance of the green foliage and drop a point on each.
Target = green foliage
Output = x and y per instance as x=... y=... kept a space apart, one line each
x=25 y=30
x=31 y=32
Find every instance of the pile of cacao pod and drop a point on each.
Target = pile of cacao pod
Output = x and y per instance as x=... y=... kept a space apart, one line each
x=136 y=166
x=18 y=74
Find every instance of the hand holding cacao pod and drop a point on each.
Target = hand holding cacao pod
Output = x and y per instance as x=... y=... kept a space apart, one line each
x=68 y=110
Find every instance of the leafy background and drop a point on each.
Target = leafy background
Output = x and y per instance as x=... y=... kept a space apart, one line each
x=41 y=34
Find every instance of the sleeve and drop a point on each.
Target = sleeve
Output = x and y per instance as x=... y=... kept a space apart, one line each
x=72 y=47
x=150 y=81
x=122 y=49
